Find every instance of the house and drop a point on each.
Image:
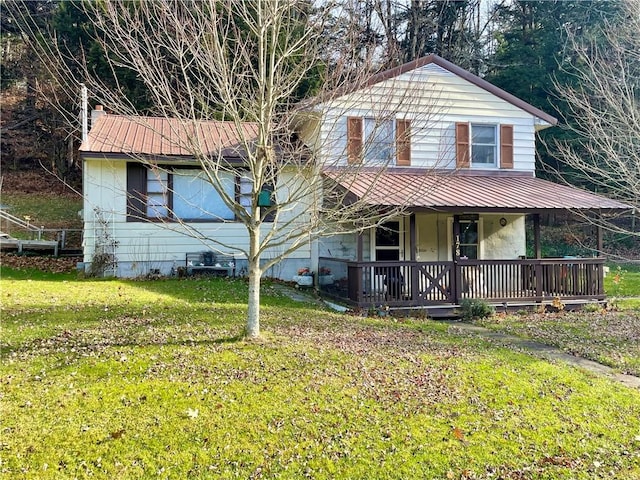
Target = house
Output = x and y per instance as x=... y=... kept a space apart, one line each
x=459 y=159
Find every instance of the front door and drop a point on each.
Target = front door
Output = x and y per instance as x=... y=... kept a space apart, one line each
x=465 y=231
x=468 y=280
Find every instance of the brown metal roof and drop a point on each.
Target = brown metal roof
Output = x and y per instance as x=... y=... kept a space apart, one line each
x=115 y=134
x=466 y=191
x=466 y=75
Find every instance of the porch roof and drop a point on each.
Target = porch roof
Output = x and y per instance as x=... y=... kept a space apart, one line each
x=468 y=191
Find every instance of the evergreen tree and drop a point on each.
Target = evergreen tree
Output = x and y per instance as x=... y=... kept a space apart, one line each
x=530 y=56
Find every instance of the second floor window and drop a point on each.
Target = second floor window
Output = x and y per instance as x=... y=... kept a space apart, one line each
x=379 y=140
x=483 y=145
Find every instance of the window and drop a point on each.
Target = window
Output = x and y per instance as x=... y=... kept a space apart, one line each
x=469 y=239
x=477 y=145
x=157 y=193
x=194 y=198
x=244 y=194
x=184 y=193
x=379 y=140
x=483 y=145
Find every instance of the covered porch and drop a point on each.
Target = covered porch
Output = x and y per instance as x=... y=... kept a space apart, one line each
x=464 y=238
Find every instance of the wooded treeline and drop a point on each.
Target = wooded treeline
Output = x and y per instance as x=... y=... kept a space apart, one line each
x=528 y=48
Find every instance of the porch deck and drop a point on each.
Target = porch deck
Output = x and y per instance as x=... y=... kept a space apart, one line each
x=408 y=284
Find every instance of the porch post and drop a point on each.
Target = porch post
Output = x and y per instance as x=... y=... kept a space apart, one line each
x=600 y=266
x=537 y=248
x=412 y=237
x=355 y=272
x=537 y=252
x=413 y=257
x=600 y=237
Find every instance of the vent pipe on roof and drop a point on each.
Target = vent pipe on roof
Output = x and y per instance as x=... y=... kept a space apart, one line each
x=84 y=113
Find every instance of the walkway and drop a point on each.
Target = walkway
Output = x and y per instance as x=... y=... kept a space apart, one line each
x=547 y=352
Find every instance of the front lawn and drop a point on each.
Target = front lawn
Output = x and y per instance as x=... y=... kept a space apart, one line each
x=131 y=379
x=623 y=281
x=610 y=337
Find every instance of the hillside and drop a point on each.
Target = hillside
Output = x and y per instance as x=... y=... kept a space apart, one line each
x=35 y=140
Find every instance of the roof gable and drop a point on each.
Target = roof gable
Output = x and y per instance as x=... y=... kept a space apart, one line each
x=465 y=75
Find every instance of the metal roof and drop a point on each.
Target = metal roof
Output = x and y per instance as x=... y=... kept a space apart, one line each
x=467 y=191
x=115 y=134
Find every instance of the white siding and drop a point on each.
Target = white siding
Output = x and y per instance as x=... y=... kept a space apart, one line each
x=434 y=100
x=504 y=242
x=143 y=246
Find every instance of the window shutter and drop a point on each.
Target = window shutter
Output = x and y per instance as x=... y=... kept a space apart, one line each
x=462 y=145
x=354 y=140
x=403 y=143
x=136 y=191
x=506 y=146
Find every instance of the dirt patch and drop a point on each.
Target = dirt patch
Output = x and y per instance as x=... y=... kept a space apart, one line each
x=35 y=181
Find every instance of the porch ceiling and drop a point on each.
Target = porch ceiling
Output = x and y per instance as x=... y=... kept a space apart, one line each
x=468 y=191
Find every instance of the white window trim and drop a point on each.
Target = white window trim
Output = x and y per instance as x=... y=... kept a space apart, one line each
x=496 y=146
x=401 y=247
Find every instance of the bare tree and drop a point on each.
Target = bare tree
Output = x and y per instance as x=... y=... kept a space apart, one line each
x=604 y=102
x=244 y=62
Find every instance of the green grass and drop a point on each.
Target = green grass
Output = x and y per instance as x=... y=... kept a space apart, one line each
x=623 y=281
x=125 y=379
x=611 y=337
x=48 y=210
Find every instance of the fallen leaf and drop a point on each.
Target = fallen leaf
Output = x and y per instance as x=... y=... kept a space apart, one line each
x=458 y=434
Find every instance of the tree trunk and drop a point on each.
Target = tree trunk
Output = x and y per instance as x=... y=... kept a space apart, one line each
x=255 y=274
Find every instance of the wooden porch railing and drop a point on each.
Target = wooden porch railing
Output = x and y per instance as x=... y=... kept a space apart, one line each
x=403 y=283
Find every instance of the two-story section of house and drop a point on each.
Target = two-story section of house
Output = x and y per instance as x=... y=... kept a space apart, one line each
x=458 y=154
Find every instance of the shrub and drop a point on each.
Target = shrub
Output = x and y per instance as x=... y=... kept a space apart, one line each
x=592 y=307
x=472 y=309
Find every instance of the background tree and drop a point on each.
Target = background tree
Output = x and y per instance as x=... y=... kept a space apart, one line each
x=453 y=29
x=33 y=133
x=603 y=102
x=529 y=53
x=400 y=31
